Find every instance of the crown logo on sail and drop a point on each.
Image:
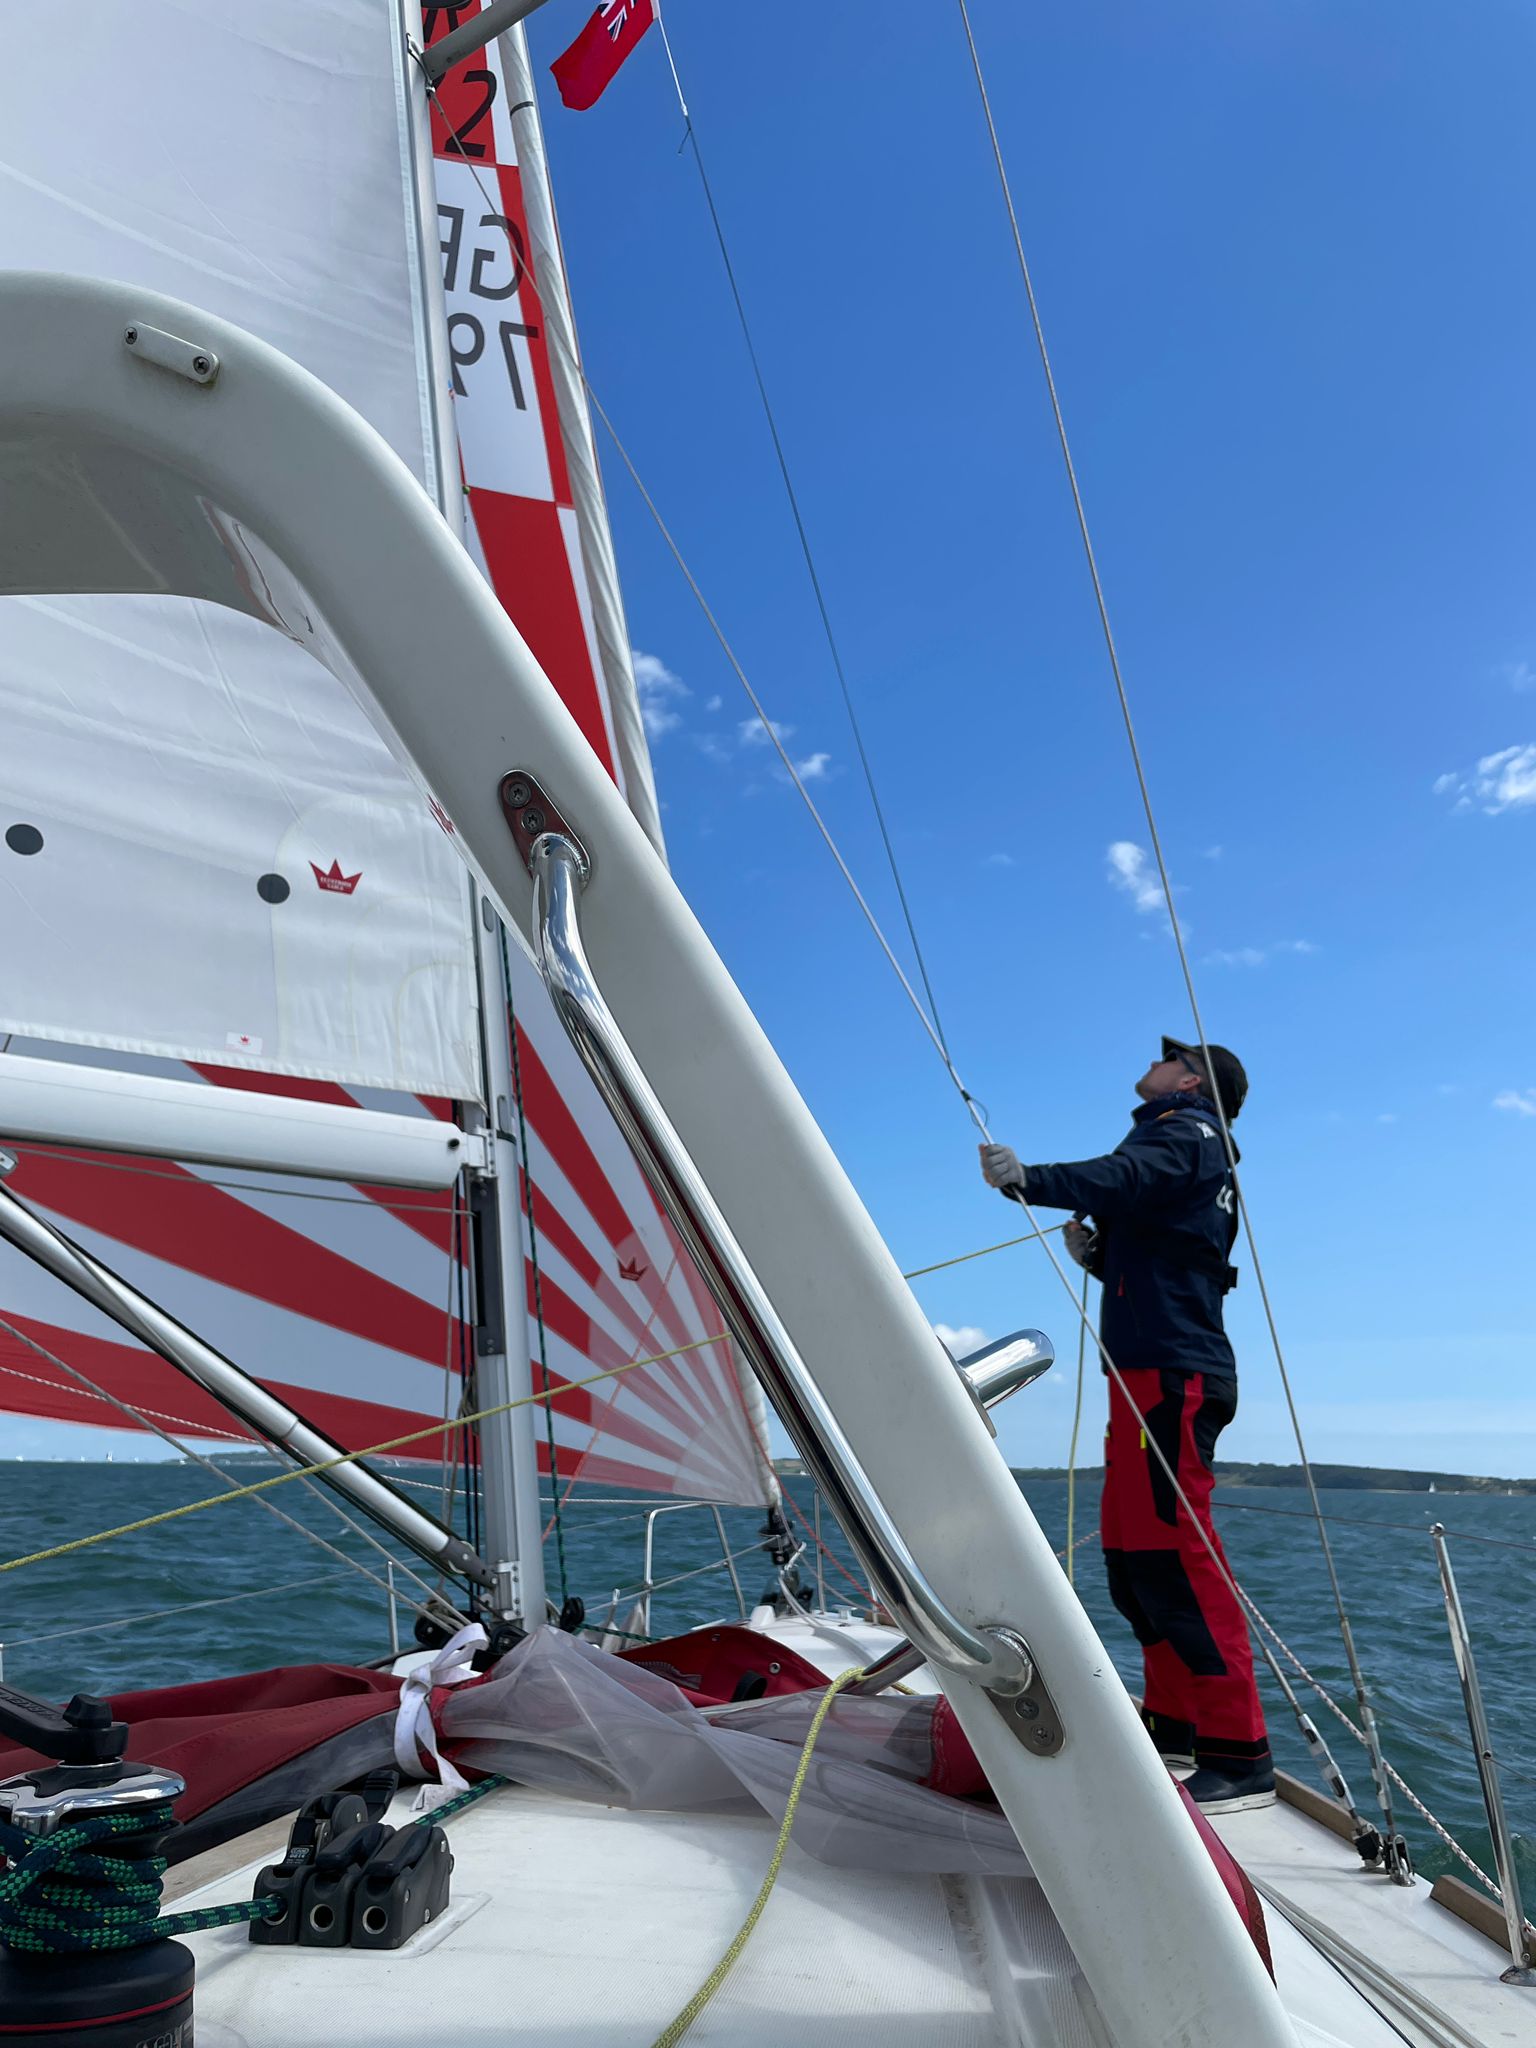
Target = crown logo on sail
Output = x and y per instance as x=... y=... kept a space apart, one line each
x=333 y=879
x=631 y=1269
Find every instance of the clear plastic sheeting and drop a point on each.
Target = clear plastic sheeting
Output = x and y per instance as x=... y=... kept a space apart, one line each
x=561 y=1715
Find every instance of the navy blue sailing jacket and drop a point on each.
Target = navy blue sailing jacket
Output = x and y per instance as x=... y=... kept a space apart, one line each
x=1165 y=1211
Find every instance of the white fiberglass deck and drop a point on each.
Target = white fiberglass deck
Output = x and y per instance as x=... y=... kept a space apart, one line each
x=577 y=1926
x=1378 y=1931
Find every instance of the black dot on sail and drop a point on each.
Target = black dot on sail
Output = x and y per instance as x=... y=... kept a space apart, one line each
x=24 y=839
x=272 y=889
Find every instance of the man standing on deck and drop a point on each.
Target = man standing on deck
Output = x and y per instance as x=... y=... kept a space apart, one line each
x=1164 y=1211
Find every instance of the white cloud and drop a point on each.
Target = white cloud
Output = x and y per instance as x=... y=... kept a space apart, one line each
x=999 y=860
x=658 y=690
x=1131 y=869
x=714 y=704
x=753 y=733
x=1505 y=781
x=1213 y=853
x=965 y=1339
x=1387 y=1116
x=1518 y=1101
x=1520 y=675
x=813 y=768
x=1256 y=956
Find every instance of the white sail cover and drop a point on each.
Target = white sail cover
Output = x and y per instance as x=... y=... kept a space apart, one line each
x=210 y=863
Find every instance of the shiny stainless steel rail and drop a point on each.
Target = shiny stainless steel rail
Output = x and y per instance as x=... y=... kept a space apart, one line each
x=559 y=873
x=1521 y=1970
x=649 y=1584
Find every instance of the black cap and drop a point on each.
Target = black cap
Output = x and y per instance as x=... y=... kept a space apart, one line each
x=1225 y=1067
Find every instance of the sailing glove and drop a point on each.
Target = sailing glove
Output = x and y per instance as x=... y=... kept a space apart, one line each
x=1000 y=1166
x=1079 y=1241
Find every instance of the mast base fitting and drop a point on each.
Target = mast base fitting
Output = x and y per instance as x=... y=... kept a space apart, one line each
x=500 y=1637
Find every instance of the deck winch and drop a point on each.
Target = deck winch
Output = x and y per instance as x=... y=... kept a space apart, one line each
x=80 y=1897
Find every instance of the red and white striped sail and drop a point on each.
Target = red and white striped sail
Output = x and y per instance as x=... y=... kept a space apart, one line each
x=220 y=871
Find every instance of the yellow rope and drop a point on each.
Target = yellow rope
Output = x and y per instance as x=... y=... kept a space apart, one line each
x=215 y=1500
x=1007 y=1245
x=672 y=2034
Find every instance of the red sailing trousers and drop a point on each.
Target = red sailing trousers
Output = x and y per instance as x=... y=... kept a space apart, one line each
x=1194 y=1639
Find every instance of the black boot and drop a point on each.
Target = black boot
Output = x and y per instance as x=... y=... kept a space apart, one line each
x=1173 y=1740
x=1235 y=1785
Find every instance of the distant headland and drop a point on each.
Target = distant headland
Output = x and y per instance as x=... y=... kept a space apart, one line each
x=1347 y=1478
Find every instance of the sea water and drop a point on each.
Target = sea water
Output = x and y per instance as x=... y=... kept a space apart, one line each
x=233 y=1589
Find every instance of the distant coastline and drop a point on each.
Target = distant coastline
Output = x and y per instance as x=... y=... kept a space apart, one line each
x=1346 y=1478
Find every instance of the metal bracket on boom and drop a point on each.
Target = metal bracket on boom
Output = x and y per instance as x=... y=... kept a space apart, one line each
x=170 y=352
x=530 y=814
x=1024 y=1703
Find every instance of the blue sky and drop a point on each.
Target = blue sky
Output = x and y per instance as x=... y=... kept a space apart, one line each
x=1280 y=254
x=1283 y=257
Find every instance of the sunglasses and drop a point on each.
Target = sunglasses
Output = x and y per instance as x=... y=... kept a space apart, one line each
x=1180 y=1059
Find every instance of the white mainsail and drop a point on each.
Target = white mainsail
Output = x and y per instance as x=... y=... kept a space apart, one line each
x=209 y=857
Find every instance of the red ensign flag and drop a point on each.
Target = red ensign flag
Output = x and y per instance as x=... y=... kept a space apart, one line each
x=587 y=68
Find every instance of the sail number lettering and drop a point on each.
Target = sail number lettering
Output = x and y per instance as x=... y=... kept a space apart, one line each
x=489 y=265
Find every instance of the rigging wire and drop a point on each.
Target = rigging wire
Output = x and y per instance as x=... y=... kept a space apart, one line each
x=975 y=1108
x=1247 y=1507
x=526 y=274
x=928 y=1022
x=237 y=1491
x=1077 y=1419
x=1398 y=1779
x=1357 y=1674
x=96 y=1628
x=691 y=138
x=302 y=1472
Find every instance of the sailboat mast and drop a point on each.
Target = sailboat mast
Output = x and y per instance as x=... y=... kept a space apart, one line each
x=602 y=574
x=511 y=1532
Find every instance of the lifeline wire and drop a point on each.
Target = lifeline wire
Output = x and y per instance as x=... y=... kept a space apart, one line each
x=1356 y=1672
x=143 y=1418
x=259 y=1486
x=1398 y=1779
